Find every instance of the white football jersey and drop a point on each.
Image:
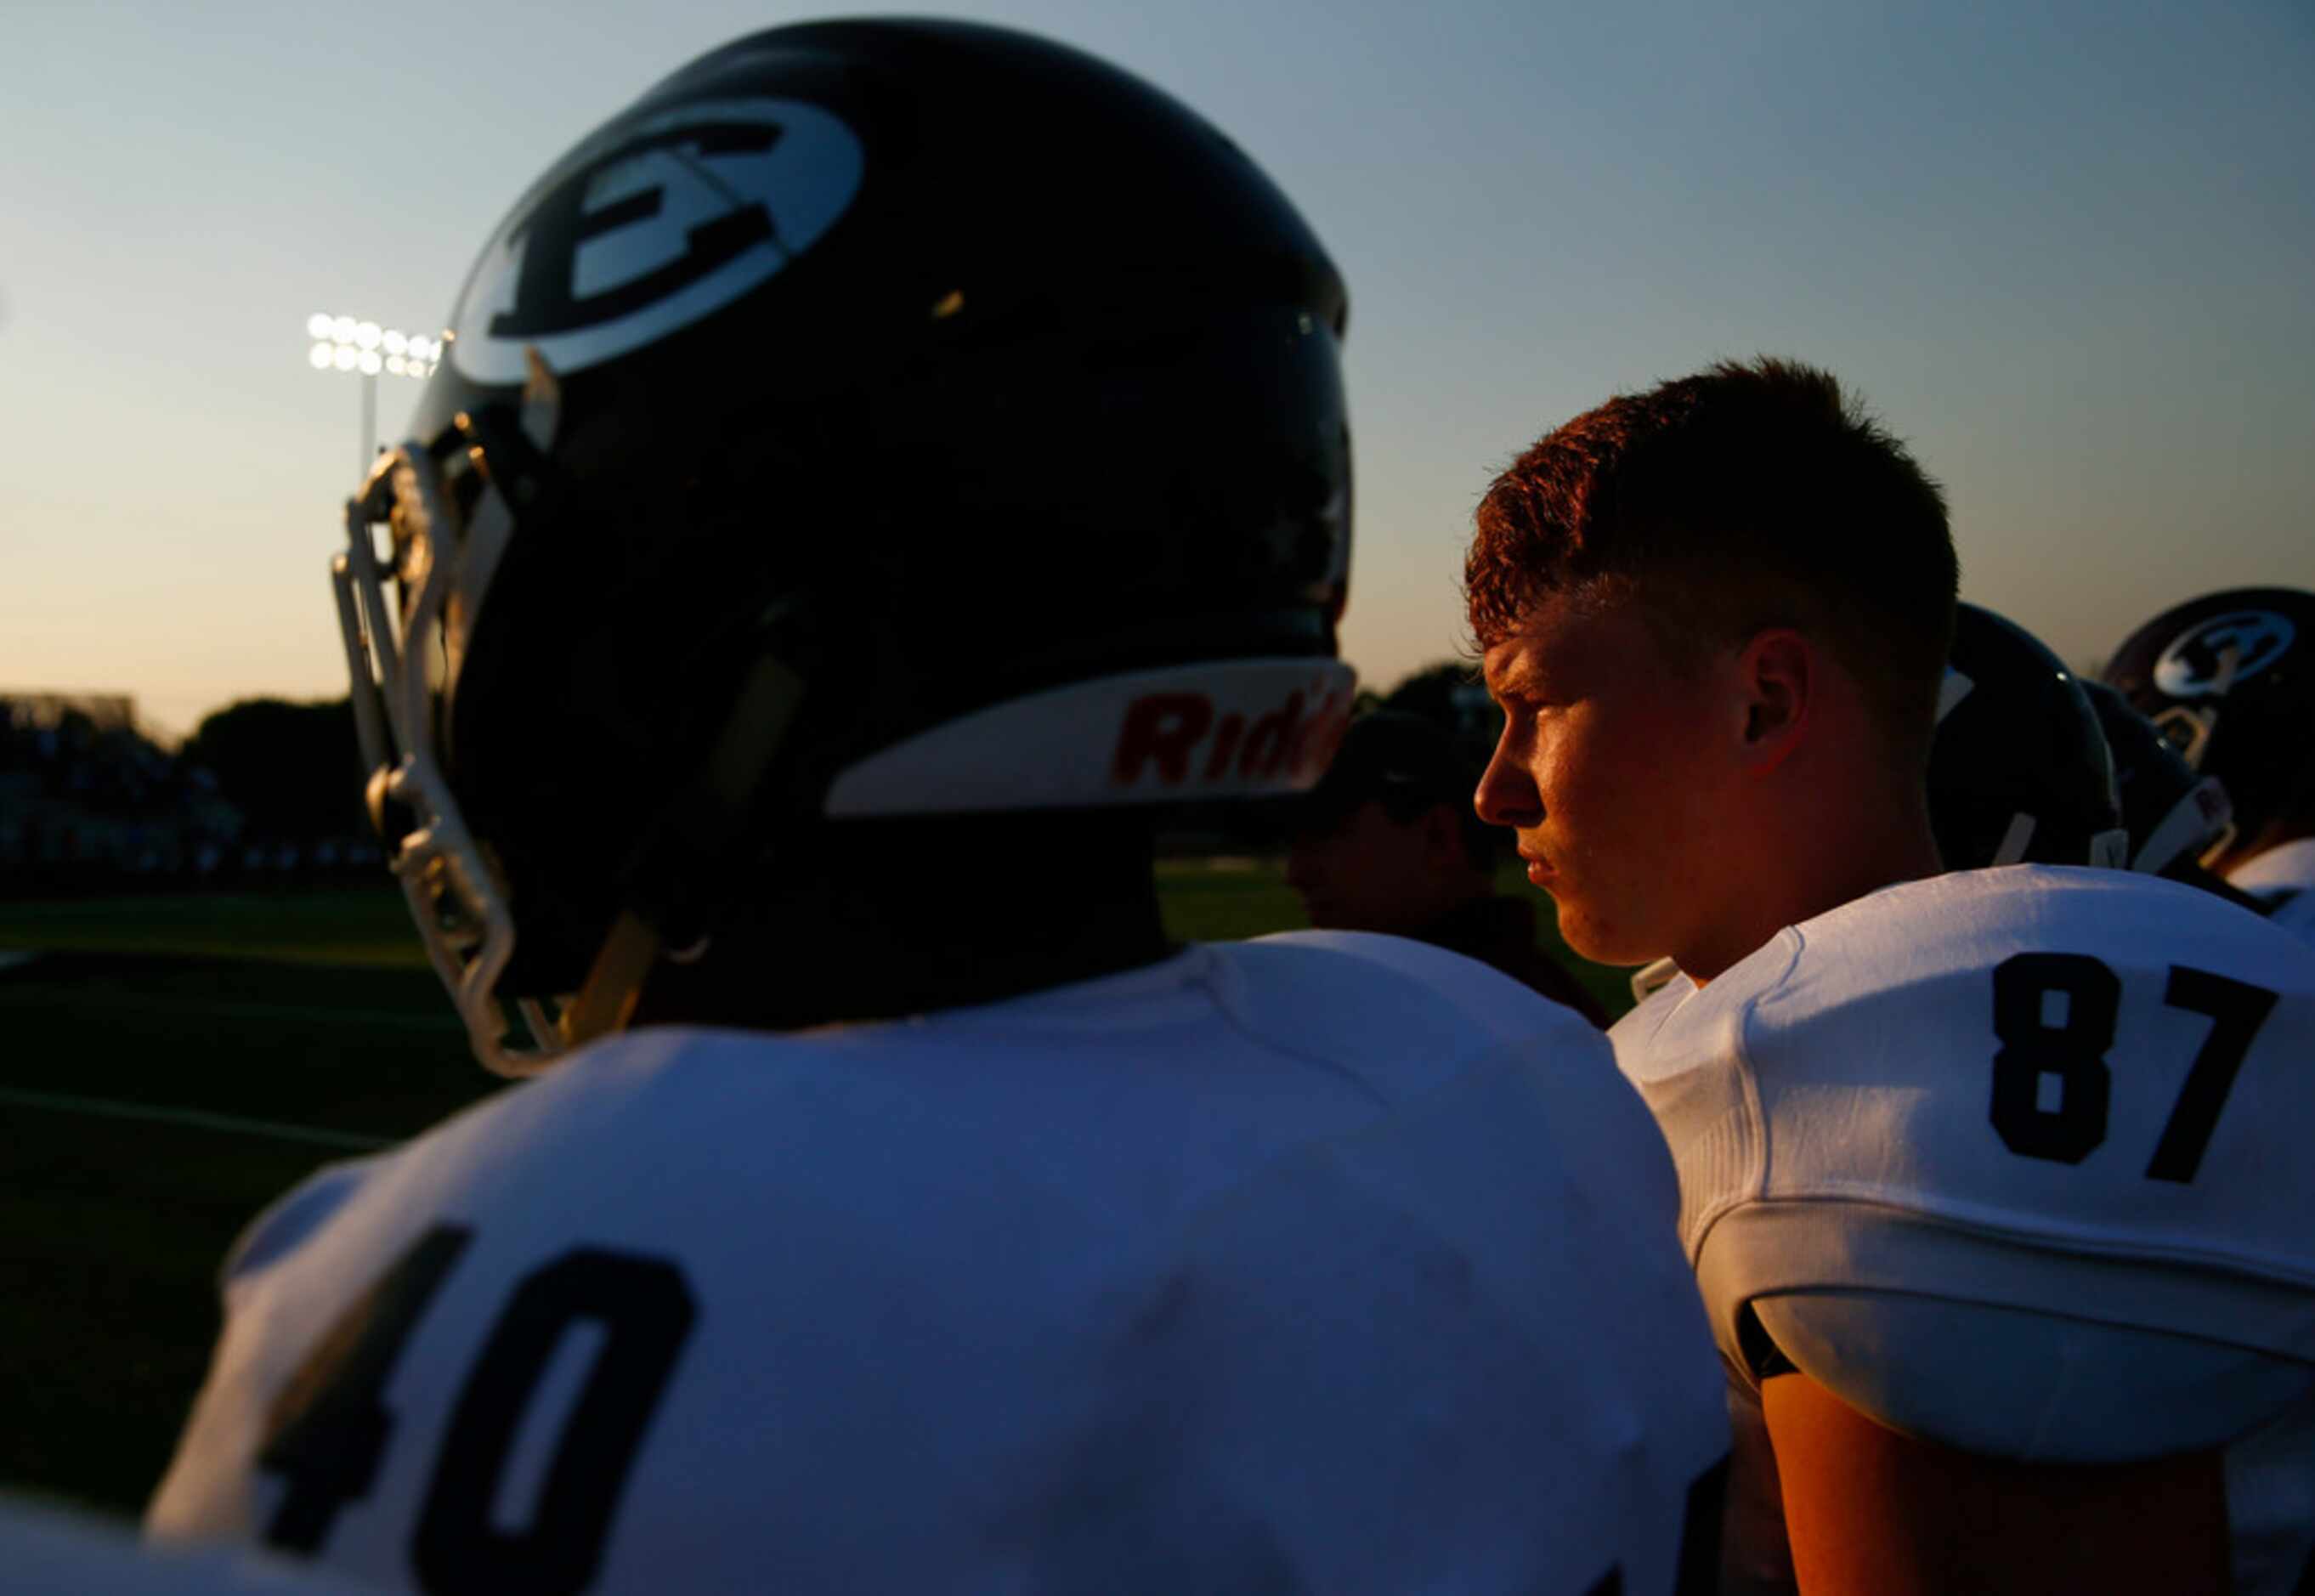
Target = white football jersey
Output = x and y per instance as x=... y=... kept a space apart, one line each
x=45 y=1552
x=2282 y=878
x=2271 y=1475
x=2014 y=1159
x=1330 y=1263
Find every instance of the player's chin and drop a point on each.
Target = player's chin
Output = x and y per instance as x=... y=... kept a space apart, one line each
x=1591 y=933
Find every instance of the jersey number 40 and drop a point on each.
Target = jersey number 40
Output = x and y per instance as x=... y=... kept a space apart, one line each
x=330 y=1425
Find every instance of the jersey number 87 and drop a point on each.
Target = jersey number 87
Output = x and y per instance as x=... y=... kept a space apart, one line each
x=2071 y=1047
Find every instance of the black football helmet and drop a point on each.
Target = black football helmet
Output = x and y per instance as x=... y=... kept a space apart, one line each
x=2171 y=813
x=2018 y=772
x=2230 y=679
x=875 y=418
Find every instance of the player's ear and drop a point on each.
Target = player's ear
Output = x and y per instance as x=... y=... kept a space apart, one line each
x=1778 y=675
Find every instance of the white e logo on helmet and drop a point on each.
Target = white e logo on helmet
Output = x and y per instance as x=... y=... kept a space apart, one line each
x=650 y=226
x=2210 y=657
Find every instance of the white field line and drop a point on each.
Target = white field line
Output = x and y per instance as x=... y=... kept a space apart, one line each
x=153 y=1114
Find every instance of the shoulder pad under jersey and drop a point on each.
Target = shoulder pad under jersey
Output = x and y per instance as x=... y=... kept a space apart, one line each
x=2041 y=1088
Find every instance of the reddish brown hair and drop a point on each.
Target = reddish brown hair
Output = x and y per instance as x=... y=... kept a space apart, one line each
x=1747 y=496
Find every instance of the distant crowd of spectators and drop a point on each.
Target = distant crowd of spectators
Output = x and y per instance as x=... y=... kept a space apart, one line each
x=89 y=803
x=265 y=792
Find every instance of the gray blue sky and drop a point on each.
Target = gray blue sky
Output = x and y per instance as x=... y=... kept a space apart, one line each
x=2064 y=250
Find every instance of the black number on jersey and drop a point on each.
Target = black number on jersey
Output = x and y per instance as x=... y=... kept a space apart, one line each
x=2072 y=1047
x=2074 y=1052
x=646 y=1310
x=330 y=1427
x=2236 y=1011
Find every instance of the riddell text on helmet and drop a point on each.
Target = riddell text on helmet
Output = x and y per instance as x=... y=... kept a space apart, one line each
x=1210 y=728
x=1178 y=738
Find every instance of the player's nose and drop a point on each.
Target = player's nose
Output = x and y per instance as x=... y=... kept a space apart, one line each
x=1506 y=795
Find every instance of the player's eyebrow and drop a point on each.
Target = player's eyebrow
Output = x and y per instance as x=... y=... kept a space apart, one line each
x=1514 y=681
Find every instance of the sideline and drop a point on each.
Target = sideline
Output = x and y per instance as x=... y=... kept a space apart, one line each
x=154 y=1114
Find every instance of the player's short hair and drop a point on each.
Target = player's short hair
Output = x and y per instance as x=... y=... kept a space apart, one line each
x=1750 y=495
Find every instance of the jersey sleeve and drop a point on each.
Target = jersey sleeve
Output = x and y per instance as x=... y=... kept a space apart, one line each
x=1951 y=1120
x=2026 y=1385
x=208 y=1492
x=293 y=1219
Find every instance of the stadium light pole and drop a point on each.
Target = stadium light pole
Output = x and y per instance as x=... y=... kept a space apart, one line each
x=350 y=344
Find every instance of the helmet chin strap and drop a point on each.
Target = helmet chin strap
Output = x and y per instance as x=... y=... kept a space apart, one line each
x=2015 y=840
x=702 y=825
x=615 y=982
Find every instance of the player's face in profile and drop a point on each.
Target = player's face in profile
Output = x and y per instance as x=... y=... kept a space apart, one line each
x=1607 y=771
x=1364 y=872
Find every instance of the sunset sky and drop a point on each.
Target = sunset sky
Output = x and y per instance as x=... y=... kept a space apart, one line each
x=2066 y=251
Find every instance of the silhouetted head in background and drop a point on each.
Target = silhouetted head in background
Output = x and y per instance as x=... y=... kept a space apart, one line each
x=1388 y=842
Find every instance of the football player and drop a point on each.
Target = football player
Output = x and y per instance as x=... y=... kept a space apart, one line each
x=2230 y=679
x=865 y=475
x=1991 y=1179
x=2019 y=771
x=1386 y=842
x=2031 y=764
x=2174 y=816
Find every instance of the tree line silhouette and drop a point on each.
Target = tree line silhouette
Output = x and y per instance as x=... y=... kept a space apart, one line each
x=270 y=788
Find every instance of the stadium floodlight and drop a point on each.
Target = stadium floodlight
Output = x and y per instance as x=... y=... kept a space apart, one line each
x=350 y=343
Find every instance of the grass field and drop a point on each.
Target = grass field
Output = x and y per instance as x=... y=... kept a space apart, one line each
x=172 y=1064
